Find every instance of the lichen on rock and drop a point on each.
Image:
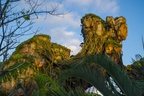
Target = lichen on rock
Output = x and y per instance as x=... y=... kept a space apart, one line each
x=40 y=48
x=38 y=54
x=103 y=36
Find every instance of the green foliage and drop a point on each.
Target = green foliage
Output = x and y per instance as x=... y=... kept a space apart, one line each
x=44 y=83
x=55 y=45
x=17 y=56
x=31 y=40
x=26 y=15
x=136 y=70
x=88 y=74
x=82 y=70
x=14 y=73
x=43 y=35
x=89 y=15
x=60 y=91
x=117 y=73
x=113 y=42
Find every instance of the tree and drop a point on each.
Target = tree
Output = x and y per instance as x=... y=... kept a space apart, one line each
x=16 y=22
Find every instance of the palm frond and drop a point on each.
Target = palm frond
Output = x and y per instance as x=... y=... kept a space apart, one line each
x=62 y=92
x=138 y=57
x=90 y=75
x=118 y=74
x=143 y=43
x=42 y=82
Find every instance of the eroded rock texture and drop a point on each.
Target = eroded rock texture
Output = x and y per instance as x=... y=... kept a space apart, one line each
x=40 y=51
x=103 y=36
x=37 y=55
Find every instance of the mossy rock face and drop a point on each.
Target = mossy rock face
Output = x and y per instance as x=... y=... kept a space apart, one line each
x=40 y=48
x=103 y=36
x=91 y=24
x=39 y=55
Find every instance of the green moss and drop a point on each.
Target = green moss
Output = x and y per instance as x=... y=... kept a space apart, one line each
x=138 y=64
x=17 y=56
x=55 y=45
x=34 y=39
x=90 y=15
x=113 y=42
x=43 y=35
x=18 y=48
x=14 y=73
x=42 y=48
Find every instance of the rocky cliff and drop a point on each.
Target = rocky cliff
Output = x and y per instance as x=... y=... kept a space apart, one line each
x=40 y=50
x=37 y=55
x=103 y=36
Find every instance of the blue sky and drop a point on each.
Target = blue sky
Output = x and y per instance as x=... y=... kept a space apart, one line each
x=66 y=29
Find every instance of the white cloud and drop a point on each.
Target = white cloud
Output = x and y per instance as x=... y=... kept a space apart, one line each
x=66 y=38
x=74 y=49
x=61 y=34
x=105 y=6
x=68 y=20
x=80 y=2
x=61 y=29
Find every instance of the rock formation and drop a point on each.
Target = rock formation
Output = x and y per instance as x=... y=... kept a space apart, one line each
x=39 y=55
x=40 y=50
x=103 y=36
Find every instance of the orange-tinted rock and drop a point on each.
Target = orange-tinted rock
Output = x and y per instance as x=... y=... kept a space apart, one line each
x=103 y=36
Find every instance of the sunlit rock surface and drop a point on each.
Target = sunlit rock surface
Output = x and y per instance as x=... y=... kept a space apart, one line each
x=103 y=36
x=38 y=54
